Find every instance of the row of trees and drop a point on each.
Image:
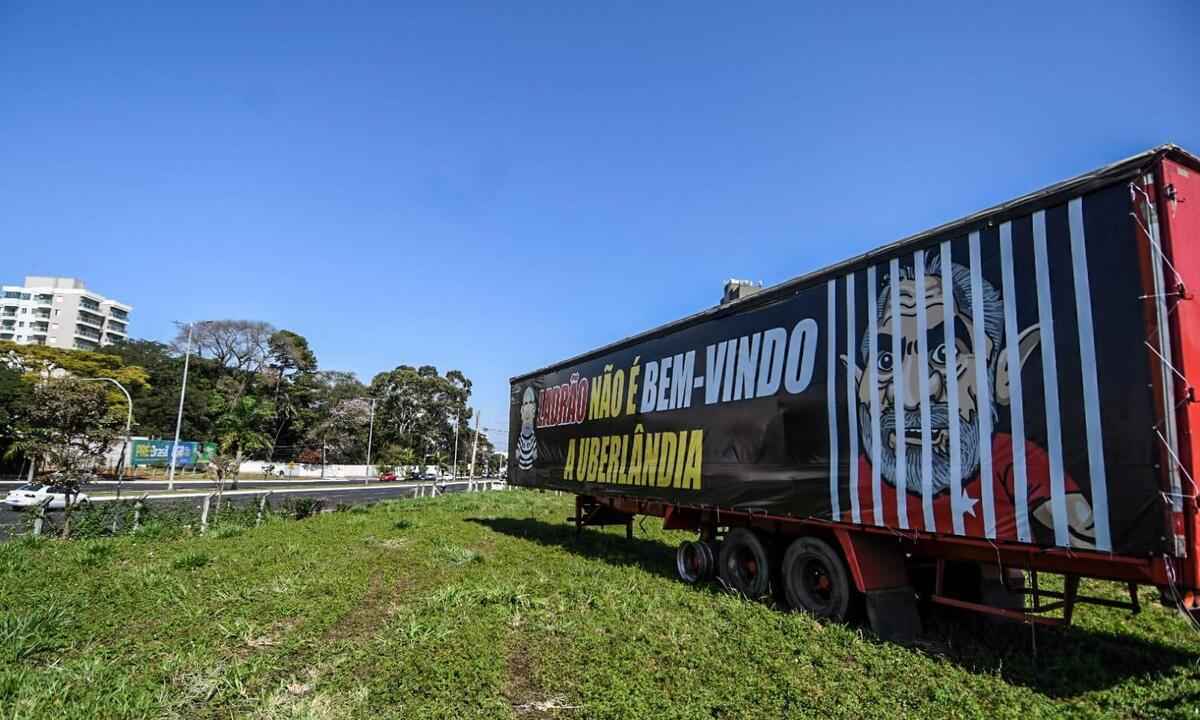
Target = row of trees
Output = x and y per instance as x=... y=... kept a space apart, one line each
x=256 y=391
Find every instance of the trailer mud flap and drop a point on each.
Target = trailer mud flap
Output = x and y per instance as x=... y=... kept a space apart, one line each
x=880 y=573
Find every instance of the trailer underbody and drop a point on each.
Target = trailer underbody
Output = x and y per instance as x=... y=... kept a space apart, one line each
x=892 y=570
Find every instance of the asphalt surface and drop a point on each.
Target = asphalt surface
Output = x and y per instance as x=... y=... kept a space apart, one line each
x=140 y=486
x=353 y=492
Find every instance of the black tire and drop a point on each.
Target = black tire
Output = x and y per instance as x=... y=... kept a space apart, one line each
x=694 y=561
x=745 y=564
x=815 y=580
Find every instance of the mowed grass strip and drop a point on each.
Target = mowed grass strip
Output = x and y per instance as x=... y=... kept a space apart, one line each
x=487 y=606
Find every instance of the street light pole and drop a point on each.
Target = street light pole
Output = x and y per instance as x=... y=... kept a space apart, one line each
x=474 y=445
x=456 y=421
x=187 y=354
x=128 y=424
x=370 y=437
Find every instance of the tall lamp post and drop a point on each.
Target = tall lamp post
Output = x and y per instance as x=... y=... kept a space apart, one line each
x=187 y=354
x=474 y=446
x=128 y=424
x=456 y=421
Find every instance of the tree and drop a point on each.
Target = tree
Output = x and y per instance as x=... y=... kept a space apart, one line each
x=239 y=422
x=239 y=345
x=343 y=433
x=418 y=408
x=41 y=362
x=14 y=394
x=157 y=403
x=291 y=365
x=395 y=457
x=67 y=425
x=290 y=354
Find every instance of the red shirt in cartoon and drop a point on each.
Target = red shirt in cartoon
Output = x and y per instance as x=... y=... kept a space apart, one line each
x=1037 y=473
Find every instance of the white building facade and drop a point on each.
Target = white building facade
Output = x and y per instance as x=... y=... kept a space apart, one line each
x=61 y=312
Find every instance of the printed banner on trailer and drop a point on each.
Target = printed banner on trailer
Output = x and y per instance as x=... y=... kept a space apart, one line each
x=992 y=385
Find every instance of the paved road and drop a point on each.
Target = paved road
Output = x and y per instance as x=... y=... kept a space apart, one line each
x=12 y=522
x=140 y=486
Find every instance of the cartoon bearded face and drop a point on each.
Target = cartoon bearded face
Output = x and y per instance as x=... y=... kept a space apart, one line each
x=528 y=409
x=905 y=371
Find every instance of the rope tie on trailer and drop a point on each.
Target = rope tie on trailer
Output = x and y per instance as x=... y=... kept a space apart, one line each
x=1180 y=293
x=1134 y=190
x=1173 y=586
x=1179 y=466
x=1162 y=423
x=1170 y=499
x=1167 y=363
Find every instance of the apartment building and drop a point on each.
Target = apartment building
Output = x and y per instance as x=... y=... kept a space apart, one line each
x=61 y=312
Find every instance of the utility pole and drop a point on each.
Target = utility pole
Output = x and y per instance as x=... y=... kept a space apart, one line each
x=370 y=437
x=474 y=445
x=456 y=421
x=187 y=354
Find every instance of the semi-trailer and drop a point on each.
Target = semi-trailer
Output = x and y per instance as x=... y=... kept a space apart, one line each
x=945 y=418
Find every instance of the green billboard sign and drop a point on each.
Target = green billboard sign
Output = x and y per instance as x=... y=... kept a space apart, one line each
x=154 y=453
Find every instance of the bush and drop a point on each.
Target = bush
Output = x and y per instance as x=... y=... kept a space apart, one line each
x=235 y=515
x=301 y=507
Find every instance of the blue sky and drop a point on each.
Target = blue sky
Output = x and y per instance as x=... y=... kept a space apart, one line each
x=497 y=187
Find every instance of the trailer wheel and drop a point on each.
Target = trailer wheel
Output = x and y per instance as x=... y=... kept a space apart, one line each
x=694 y=561
x=745 y=564
x=815 y=579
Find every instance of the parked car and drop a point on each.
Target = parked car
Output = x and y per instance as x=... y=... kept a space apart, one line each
x=414 y=475
x=33 y=494
x=387 y=477
x=430 y=475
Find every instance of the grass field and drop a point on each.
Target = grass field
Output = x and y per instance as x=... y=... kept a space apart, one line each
x=484 y=606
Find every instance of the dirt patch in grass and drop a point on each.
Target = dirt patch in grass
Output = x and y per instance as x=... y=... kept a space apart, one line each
x=371 y=610
x=527 y=699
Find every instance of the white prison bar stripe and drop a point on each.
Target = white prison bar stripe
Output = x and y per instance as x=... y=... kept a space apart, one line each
x=923 y=387
x=1016 y=402
x=1058 y=501
x=835 y=504
x=983 y=390
x=898 y=397
x=951 y=380
x=852 y=400
x=1091 y=387
x=873 y=387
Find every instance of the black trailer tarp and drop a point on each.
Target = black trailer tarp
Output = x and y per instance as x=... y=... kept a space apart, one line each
x=990 y=382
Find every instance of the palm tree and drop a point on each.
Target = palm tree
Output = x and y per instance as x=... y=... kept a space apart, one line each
x=239 y=431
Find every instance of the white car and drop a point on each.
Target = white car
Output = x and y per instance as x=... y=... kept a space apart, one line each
x=34 y=494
